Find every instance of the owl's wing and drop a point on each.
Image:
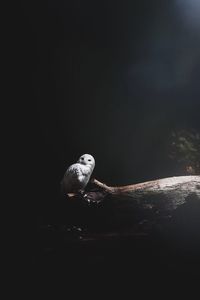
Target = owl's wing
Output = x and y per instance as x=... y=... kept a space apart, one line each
x=74 y=171
x=71 y=177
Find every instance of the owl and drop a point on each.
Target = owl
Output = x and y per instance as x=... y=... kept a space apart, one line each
x=78 y=175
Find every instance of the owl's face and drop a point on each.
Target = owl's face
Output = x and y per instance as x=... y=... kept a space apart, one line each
x=87 y=159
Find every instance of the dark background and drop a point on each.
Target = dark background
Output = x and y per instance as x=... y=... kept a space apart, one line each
x=109 y=78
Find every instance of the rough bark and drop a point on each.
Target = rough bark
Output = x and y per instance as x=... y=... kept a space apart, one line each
x=173 y=190
x=141 y=208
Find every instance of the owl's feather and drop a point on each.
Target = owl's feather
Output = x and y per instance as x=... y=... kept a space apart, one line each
x=78 y=175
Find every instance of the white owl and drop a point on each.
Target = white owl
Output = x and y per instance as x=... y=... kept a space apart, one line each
x=78 y=175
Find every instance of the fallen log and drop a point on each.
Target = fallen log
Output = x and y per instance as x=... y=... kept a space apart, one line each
x=146 y=207
x=107 y=212
x=173 y=190
x=154 y=222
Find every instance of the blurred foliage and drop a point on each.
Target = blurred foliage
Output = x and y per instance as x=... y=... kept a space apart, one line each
x=185 y=150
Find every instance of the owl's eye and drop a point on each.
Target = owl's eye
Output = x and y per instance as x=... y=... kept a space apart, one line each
x=82 y=158
x=89 y=159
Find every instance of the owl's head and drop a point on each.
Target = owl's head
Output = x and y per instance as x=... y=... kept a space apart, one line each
x=87 y=159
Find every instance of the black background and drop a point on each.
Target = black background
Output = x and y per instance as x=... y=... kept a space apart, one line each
x=109 y=78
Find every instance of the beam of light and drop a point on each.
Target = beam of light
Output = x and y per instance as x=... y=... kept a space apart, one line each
x=190 y=11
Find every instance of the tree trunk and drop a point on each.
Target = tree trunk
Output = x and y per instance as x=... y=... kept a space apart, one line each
x=172 y=191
